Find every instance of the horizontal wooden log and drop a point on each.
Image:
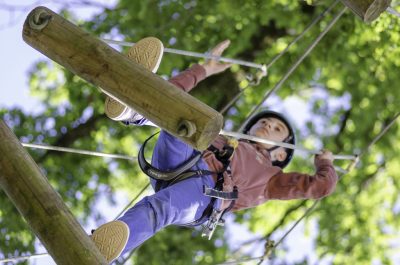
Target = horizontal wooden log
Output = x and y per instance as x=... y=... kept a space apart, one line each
x=85 y=55
x=41 y=206
x=367 y=10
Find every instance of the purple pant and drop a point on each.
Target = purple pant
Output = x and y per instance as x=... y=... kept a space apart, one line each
x=178 y=204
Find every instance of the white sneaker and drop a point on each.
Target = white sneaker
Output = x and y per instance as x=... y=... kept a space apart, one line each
x=111 y=239
x=148 y=53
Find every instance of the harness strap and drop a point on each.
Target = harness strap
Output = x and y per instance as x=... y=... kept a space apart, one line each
x=182 y=172
x=224 y=195
x=216 y=218
x=155 y=173
x=215 y=215
x=223 y=155
x=189 y=174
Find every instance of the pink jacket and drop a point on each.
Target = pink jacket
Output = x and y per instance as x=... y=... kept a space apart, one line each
x=252 y=171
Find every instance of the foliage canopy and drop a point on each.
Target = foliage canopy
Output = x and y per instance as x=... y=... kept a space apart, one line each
x=347 y=87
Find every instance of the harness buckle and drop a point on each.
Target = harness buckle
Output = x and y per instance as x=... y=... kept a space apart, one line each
x=223 y=195
x=212 y=223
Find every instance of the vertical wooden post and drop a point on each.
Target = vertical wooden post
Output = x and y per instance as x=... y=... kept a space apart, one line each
x=367 y=10
x=85 y=55
x=41 y=206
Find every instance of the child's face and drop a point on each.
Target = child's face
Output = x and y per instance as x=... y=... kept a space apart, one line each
x=271 y=129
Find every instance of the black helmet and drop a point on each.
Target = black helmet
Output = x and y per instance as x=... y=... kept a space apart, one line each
x=291 y=139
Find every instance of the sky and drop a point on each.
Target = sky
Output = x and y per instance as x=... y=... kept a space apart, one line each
x=17 y=58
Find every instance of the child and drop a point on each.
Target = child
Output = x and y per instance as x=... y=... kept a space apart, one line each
x=252 y=170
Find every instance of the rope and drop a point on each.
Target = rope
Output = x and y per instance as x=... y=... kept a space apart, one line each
x=282 y=144
x=315 y=21
x=262 y=67
x=35 y=256
x=196 y=54
x=393 y=11
x=313 y=206
x=277 y=86
x=42 y=255
x=233 y=262
x=355 y=159
x=223 y=132
x=78 y=151
x=132 y=201
x=295 y=65
x=379 y=136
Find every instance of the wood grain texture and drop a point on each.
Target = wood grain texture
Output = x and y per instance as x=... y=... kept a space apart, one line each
x=367 y=10
x=93 y=60
x=41 y=206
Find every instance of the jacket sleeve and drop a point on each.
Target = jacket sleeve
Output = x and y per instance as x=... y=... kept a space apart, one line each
x=286 y=186
x=189 y=78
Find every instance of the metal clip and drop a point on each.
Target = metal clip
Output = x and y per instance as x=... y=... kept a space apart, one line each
x=223 y=195
x=213 y=221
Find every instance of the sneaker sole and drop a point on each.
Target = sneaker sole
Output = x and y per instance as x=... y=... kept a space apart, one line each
x=148 y=53
x=111 y=239
x=113 y=108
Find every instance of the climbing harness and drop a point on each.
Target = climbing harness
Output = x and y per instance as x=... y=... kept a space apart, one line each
x=216 y=215
x=351 y=166
x=167 y=178
x=154 y=173
x=173 y=176
x=296 y=64
x=215 y=218
x=224 y=156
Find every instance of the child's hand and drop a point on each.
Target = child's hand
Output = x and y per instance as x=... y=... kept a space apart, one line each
x=326 y=154
x=213 y=67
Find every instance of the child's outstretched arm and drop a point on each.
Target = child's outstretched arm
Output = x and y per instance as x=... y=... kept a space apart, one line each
x=189 y=78
x=286 y=186
x=213 y=67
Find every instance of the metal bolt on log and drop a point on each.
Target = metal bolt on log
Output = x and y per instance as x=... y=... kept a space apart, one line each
x=367 y=10
x=118 y=76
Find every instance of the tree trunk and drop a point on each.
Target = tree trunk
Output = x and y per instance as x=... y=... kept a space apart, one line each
x=41 y=206
x=161 y=102
x=368 y=10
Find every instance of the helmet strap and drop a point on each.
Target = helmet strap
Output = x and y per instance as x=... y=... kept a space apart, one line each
x=287 y=139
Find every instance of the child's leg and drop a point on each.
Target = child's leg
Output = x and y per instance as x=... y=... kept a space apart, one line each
x=179 y=204
x=148 y=53
x=170 y=152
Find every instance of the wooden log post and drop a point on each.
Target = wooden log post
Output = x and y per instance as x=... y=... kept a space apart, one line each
x=41 y=206
x=85 y=55
x=367 y=10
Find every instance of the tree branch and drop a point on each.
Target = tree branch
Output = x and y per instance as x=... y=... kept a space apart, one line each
x=66 y=140
x=281 y=222
x=343 y=122
x=18 y=12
